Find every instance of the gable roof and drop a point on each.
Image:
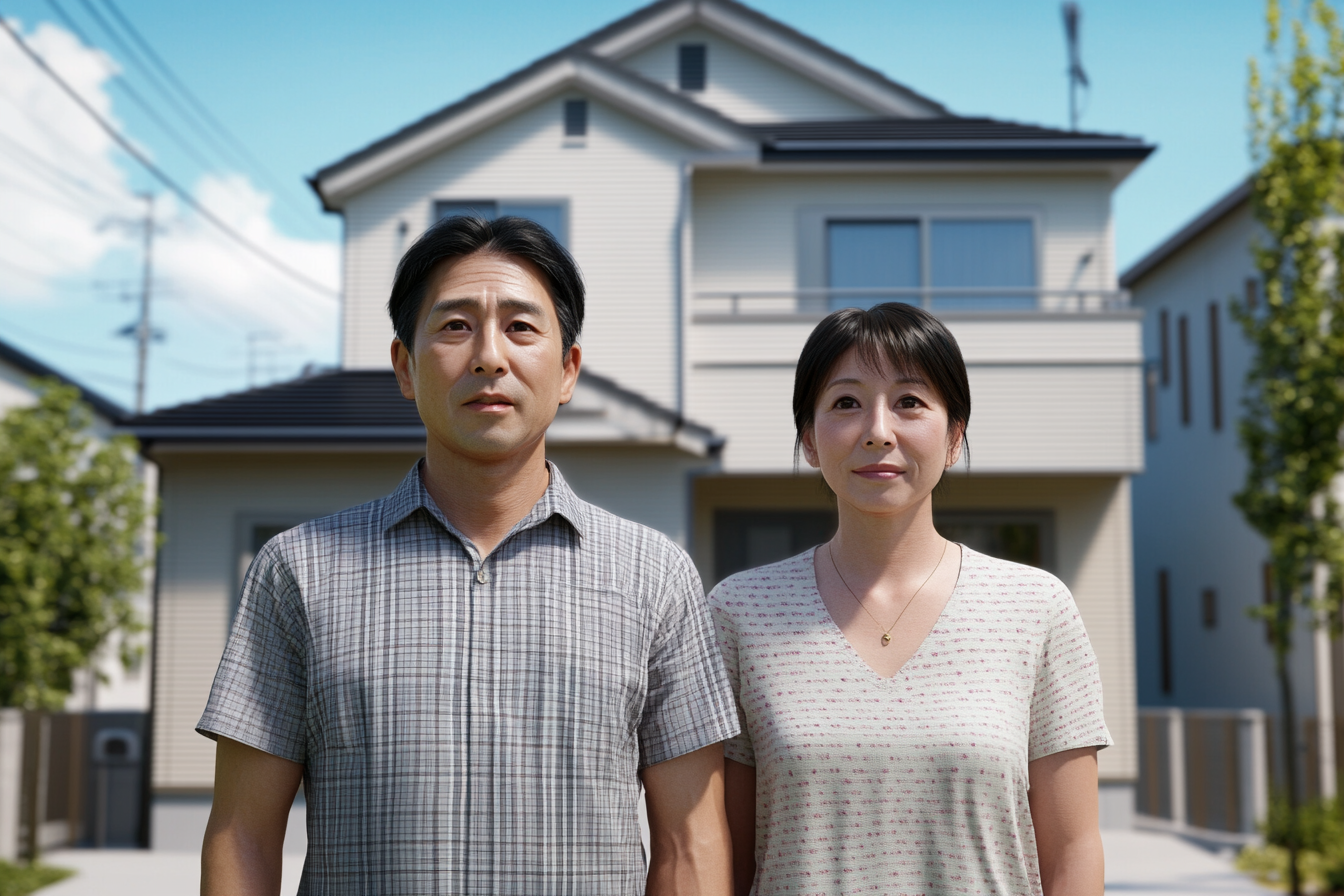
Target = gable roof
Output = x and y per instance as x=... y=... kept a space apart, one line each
x=947 y=138
x=367 y=406
x=33 y=367
x=548 y=76
x=588 y=64
x=1228 y=203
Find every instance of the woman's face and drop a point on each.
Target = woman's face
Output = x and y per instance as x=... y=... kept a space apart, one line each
x=881 y=440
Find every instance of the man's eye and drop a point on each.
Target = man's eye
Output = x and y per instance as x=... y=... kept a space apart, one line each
x=521 y=326
x=455 y=325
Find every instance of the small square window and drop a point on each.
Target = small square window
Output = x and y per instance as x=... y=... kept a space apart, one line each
x=691 y=68
x=576 y=118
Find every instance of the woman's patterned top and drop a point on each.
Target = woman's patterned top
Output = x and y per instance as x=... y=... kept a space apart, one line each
x=914 y=784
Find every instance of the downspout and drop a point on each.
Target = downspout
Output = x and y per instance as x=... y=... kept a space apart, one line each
x=683 y=268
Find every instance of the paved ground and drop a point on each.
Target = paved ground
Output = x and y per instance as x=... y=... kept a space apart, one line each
x=1137 y=862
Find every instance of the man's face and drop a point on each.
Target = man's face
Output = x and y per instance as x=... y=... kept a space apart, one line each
x=487 y=371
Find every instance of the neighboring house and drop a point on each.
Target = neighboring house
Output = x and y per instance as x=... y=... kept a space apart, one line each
x=723 y=181
x=1199 y=567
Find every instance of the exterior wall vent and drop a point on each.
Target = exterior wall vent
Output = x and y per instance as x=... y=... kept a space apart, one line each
x=692 y=70
x=576 y=118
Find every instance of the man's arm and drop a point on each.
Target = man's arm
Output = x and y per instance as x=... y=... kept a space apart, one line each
x=1063 y=800
x=245 y=836
x=690 y=849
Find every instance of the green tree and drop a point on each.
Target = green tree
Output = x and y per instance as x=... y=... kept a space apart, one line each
x=1295 y=391
x=72 y=516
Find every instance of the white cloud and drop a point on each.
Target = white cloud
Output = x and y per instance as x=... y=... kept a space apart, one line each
x=205 y=269
x=50 y=225
x=62 y=188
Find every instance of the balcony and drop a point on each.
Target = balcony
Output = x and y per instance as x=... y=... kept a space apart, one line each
x=1056 y=375
x=819 y=301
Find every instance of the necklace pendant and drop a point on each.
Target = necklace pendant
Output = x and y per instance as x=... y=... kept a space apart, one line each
x=886 y=639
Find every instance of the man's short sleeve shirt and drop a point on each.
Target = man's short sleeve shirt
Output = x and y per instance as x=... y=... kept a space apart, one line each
x=472 y=724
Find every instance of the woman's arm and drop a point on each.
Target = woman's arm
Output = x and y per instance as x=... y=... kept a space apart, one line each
x=739 y=784
x=1063 y=799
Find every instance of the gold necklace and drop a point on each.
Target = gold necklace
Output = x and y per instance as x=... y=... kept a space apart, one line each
x=886 y=633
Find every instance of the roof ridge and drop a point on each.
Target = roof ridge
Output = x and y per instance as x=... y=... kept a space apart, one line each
x=582 y=46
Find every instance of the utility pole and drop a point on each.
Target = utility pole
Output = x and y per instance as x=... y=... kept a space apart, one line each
x=1077 y=77
x=143 y=332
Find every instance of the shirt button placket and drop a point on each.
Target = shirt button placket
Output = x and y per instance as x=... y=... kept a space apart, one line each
x=482 y=576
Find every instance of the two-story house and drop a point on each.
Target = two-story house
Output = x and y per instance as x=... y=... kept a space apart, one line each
x=724 y=181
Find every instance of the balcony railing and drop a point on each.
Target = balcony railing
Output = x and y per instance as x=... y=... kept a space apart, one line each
x=821 y=300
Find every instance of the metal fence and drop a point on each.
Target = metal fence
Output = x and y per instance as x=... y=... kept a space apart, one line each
x=70 y=779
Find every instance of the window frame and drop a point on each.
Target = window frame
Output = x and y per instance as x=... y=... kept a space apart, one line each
x=814 y=263
x=1044 y=518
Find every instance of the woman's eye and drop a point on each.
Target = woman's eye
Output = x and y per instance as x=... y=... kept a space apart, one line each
x=846 y=403
x=909 y=401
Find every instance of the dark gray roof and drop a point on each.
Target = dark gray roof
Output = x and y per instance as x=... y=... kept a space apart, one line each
x=938 y=139
x=340 y=405
x=581 y=48
x=27 y=363
x=1228 y=203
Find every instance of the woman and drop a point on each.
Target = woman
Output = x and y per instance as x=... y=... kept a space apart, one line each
x=917 y=717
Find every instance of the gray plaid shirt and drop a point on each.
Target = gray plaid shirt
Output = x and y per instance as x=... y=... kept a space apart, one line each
x=469 y=724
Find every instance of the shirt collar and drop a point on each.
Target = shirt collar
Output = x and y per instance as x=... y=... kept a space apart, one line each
x=558 y=500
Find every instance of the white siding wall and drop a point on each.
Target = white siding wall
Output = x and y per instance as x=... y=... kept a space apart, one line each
x=623 y=188
x=744 y=85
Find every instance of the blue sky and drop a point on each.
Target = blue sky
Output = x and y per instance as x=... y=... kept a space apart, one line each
x=302 y=83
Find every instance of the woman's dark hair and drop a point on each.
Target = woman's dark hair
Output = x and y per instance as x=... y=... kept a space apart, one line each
x=912 y=341
x=459 y=236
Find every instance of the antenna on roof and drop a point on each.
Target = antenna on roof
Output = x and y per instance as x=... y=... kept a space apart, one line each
x=1077 y=77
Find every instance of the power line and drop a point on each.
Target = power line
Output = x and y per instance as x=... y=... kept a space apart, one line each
x=243 y=155
x=25 y=156
x=134 y=94
x=79 y=153
x=158 y=174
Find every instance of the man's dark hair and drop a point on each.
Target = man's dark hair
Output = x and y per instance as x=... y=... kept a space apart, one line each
x=912 y=341
x=459 y=236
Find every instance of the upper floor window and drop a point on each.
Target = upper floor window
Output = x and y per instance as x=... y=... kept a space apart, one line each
x=947 y=263
x=692 y=71
x=550 y=215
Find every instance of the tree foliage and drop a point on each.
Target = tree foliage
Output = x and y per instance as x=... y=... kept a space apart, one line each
x=1294 y=398
x=72 y=516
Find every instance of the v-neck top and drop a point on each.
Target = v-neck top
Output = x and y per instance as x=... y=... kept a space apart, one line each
x=917 y=783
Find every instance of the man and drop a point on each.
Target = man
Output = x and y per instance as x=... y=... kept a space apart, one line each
x=473 y=675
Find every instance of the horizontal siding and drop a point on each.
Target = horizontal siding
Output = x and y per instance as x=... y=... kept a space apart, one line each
x=205 y=499
x=744 y=85
x=1056 y=419
x=624 y=191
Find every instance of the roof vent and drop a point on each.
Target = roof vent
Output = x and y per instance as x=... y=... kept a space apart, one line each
x=691 y=68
